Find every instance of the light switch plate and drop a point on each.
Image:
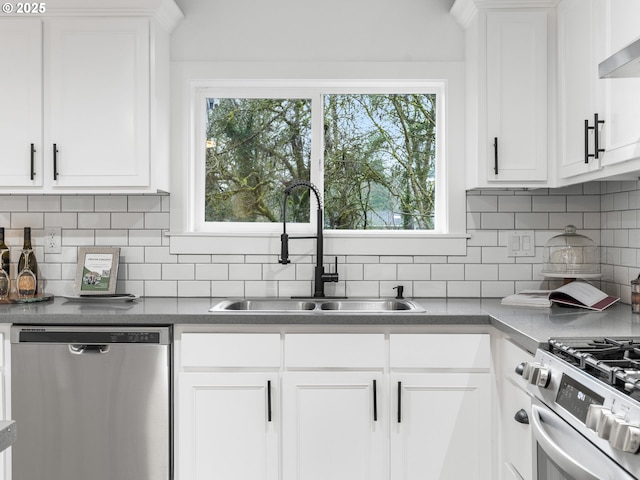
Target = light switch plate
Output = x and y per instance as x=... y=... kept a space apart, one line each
x=521 y=243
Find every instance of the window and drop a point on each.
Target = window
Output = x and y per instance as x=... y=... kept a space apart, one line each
x=377 y=155
x=342 y=138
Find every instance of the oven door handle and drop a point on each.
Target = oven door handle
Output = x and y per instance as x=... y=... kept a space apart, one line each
x=555 y=453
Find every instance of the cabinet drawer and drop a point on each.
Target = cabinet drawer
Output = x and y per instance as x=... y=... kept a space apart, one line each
x=460 y=351
x=230 y=350
x=334 y=350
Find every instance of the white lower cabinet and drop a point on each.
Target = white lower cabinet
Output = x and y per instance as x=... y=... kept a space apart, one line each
x=440 y=427
x=339 y=406
x=515 y=408
x=228 y=426
x=330 y=429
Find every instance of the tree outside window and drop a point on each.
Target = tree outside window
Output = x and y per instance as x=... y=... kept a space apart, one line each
x=379 y=158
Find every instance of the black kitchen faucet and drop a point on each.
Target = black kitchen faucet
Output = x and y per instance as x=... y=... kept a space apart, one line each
x=320 y=277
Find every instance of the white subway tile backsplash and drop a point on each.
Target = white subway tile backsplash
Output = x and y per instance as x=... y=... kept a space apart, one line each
x=77 y=203
x=481 y=272
x=44 y=203
x=159 y=255
x=111 y=203
x=266 y=288
x=482 y=203
x=14 y=203
x=532 y=221
x=492 y=289
x=178 y=271
x=430 y=289
x=113 y=238
x=194 y=288
x=515 y=204
x=127 y=220
x=144 y=203
x=144 y=271
x=380 y=272
x=212 y=271
x=414 y=272
x=447 y=272
x=63 y=220
x=607 y=212
x=463 y=289
x=497 y=221
x=24 y=219
x=561 y=220
x=515 y=272
x=551 y=203
x=241 y=271
x=145 y=237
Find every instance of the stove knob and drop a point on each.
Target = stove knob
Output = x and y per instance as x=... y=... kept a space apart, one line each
x=594 y=414
x=524 y=370
x=605 y=423
x=624 y=436
x=540 y=376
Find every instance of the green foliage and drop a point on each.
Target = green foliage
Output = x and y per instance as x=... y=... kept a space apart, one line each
x=255 y=148
x=379 y=160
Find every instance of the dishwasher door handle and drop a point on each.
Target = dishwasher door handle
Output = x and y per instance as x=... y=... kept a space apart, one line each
x=79 y=349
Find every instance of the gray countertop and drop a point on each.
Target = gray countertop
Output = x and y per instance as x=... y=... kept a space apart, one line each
x=528 y=326
x=7 y=434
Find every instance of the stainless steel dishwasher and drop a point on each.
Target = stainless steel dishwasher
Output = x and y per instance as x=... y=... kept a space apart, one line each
x=91 y=403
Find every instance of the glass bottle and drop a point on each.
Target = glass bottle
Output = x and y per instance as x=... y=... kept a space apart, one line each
x=27 y=282
x=5 y=257
x=27 y=257
x=5 y=282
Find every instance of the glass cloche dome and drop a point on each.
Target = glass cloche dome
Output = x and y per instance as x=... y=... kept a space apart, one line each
x=571 y=255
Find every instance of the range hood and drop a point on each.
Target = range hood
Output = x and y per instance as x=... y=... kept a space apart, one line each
x=622 y=64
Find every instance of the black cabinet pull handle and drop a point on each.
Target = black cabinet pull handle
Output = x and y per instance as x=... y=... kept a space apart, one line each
x=586 y=141
x=375 y=401
x=521 y=417
x=268 y=400
x=596 y=135
x=495 y=155
x=399 y=402
x=55 y=161
x=33 y=164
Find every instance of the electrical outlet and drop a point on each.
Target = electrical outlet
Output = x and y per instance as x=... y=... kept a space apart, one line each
x=53 y=240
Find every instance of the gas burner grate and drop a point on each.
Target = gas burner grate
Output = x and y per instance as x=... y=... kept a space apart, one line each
x=615 y=361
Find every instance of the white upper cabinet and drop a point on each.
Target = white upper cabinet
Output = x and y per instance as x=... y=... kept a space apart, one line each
x=85 y=100
x=96 y=76
x=579 y=87
x=516 y=97
x=621 y=108
x=508 y=121
x=21 y=100
x=599 y=119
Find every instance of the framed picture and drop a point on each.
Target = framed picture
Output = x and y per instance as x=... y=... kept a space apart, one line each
x=97 y=270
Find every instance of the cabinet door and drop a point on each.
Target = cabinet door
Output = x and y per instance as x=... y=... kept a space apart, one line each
x=21 y=100
x=516 y=436
x=96 y=75
x=224 y=427
x=331 y=429
x=517 y=96
x=441 y=426
x=578 y=50
x=621 y=131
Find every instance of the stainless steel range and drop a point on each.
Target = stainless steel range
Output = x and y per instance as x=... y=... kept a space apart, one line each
x=586 y=411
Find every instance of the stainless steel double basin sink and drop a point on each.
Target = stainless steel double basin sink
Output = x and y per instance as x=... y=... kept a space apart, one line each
x=275 y=305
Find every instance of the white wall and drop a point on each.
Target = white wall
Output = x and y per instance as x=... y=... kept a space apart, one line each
x=317 y=31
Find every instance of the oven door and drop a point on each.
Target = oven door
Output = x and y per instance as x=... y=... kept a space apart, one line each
x=561 y=453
